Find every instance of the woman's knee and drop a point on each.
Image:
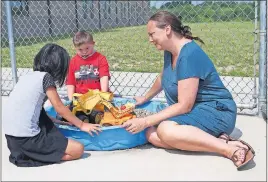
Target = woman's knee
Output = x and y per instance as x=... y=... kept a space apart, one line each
x=74 y=149
x=166 y=130
x=153 y=138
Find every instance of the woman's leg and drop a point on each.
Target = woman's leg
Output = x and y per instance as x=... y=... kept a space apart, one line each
x=73 y=151
x=225 y=138
x=186 y=137
x=153 y=138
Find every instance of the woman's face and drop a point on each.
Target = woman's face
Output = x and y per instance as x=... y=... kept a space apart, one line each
x=157 y=36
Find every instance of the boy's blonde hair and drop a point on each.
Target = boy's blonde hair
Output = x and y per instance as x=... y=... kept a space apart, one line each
x=82 y=37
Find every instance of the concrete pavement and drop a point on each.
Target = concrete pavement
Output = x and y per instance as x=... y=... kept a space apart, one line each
x=150 y=163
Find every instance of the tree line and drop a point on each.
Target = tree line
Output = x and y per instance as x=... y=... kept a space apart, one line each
x=211 y=11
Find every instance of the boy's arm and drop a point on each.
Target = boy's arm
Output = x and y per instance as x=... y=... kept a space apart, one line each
x=104 y=82
x=70 y=81
x=70 y=91
x=104 y=74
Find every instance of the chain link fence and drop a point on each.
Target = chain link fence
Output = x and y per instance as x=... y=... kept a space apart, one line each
x=229 y=29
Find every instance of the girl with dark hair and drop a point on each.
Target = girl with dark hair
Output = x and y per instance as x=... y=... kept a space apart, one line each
x=32 y=137
x=201 y=112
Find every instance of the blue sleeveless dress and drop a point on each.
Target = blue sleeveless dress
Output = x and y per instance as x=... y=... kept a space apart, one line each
x=214 y=110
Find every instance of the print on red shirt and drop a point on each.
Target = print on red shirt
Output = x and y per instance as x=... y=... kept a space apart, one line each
x=87 y=74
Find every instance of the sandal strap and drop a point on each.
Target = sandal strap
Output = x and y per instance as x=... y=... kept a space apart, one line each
x=243 y=142
x=249 y=147
x=225 y=137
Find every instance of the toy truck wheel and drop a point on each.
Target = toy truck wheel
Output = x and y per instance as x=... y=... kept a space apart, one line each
x=83 y=118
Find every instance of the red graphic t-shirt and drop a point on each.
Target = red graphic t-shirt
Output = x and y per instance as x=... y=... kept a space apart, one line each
x=85 y=74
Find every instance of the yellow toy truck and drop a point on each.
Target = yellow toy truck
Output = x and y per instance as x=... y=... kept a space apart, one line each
x=95 y=107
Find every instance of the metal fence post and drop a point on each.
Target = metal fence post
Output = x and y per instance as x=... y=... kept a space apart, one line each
x=263 y=61
x=266 y=114
x=11 y=42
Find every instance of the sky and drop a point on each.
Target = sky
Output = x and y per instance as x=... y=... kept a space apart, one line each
x=157 y=4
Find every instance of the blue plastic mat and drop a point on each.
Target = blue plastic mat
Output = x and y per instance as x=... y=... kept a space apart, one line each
x=111 y=137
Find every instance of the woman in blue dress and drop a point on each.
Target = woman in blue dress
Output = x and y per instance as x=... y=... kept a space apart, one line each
x=201 y=112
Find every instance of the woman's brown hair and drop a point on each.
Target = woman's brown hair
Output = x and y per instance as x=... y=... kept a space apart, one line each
x=165 y=18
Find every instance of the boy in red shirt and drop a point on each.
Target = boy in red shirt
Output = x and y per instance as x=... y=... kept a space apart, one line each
x=88 y=69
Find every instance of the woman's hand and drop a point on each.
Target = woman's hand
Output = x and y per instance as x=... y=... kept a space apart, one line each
x=135 y=125
x=89 y=128
x=140 y=100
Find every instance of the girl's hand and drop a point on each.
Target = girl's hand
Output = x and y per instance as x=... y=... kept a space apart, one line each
x=135 y=125
x=89 y=128
x=140 y=100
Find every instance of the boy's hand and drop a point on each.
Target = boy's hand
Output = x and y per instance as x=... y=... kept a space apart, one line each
x=89 y=128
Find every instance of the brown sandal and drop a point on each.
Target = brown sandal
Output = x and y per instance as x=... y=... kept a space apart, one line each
x=245 y=143
x=247 y=157
x=226 y=137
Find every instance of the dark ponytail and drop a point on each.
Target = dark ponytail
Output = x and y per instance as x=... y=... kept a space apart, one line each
x=164 y=18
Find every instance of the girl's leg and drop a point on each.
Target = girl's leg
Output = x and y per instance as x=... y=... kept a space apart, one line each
x=73 y=151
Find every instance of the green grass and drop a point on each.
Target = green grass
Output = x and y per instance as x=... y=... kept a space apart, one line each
x=228 y=44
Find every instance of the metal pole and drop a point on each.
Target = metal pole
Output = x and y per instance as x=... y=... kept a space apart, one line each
x=266 y=61
x=11 y=42
x=99 y=8
x=128 y=13
x=76 y=16
x=116 y=13
x=49 y=18
x=263 y=61
x=255 y=96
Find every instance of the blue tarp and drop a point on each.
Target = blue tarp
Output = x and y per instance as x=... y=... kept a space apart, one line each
x=111 y=137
